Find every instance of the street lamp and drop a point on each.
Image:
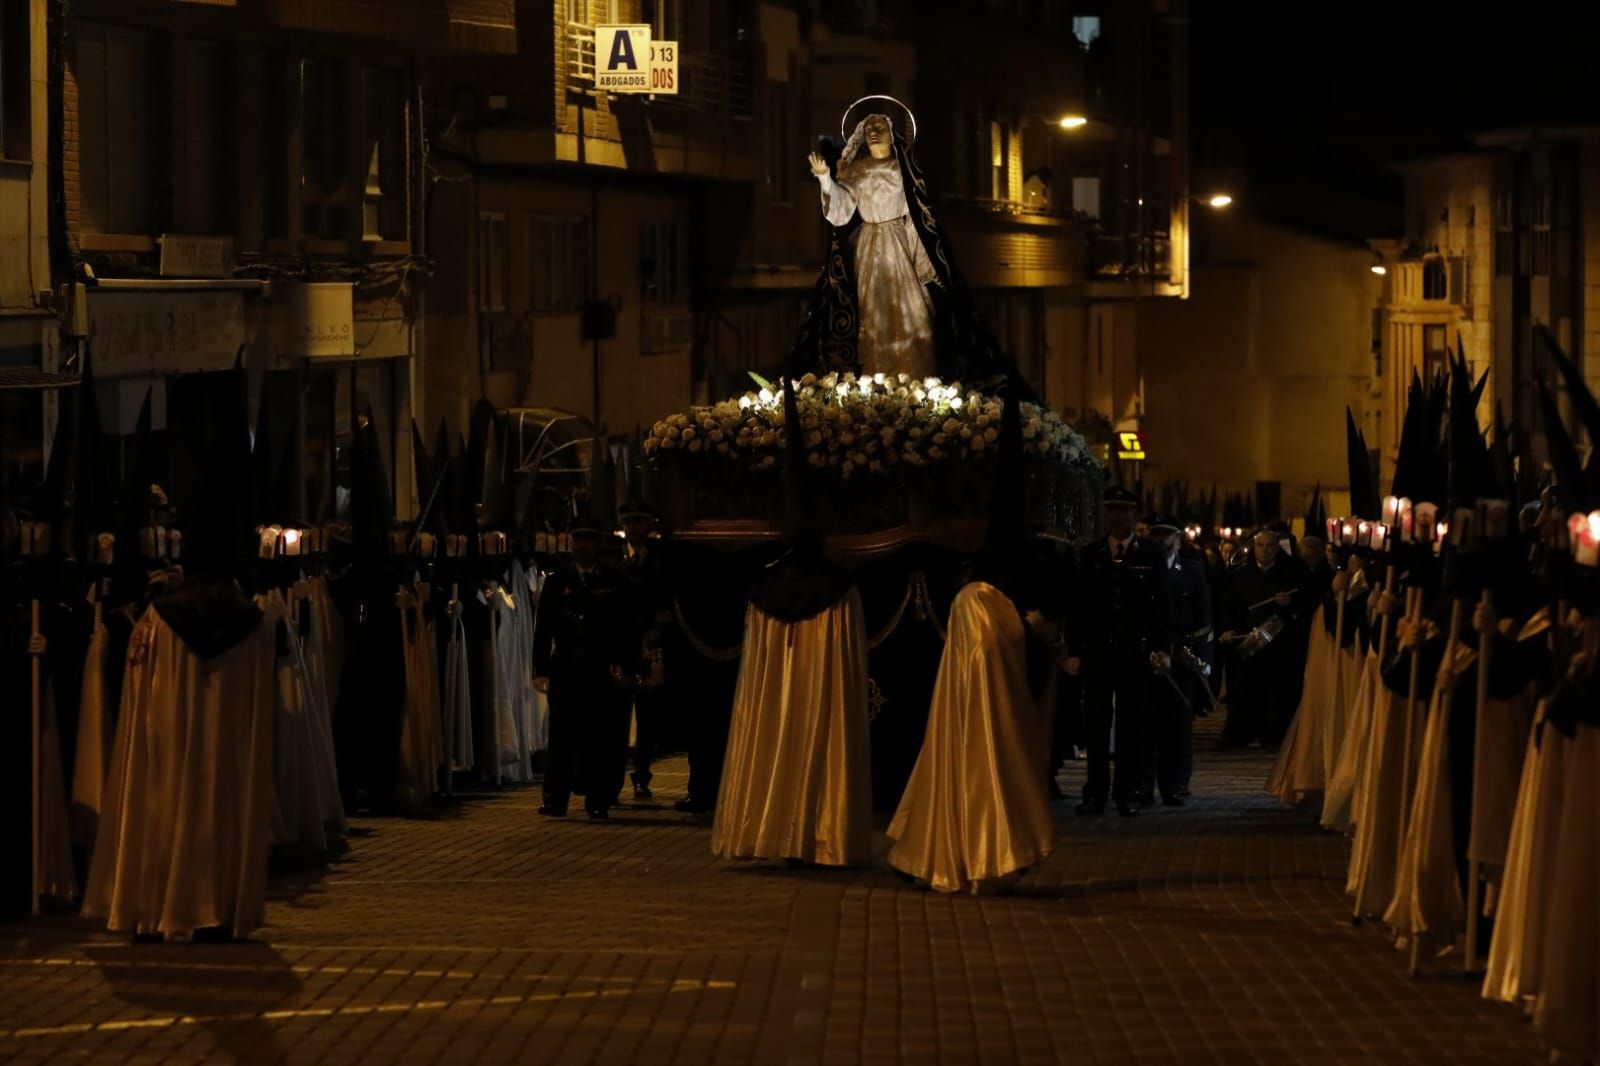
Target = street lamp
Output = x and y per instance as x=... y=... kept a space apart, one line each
x=1073 y=122
x=1218 y=200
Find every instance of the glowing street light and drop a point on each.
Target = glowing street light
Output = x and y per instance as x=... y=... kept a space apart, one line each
x=1073 y=122
x=1219 y=200
x=1379 y=269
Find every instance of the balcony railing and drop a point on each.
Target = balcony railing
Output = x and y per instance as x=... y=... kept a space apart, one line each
x=580 y=57
x=1119 y=256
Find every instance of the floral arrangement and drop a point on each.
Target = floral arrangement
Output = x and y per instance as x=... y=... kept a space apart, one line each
x=868 y=424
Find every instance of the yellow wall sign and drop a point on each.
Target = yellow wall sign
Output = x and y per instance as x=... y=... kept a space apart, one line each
x=627 y=60
x=1130 y=445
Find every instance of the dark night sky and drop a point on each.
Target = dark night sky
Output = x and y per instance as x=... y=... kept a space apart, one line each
x=1285 y=94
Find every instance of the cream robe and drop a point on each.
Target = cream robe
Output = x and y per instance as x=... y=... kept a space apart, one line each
x=183 y=836
x=976 y=809
x=1427 y=896
x=1340 y=800
x=93 y=754
x=1382 y=802
x=797 y=779
x=1299 y=767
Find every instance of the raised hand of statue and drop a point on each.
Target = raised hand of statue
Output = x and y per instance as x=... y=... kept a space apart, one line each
x=819 y=165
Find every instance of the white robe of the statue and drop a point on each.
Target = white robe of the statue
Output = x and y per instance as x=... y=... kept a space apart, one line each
x=183 y=835
x=976 y=809
x=1299 y=768
x=797 y=778
x=892 y=267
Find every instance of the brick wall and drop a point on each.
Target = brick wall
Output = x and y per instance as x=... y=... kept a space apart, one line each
x=71 y=177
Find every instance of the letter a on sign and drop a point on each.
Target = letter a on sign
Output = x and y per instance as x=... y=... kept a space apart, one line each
x=621 y=58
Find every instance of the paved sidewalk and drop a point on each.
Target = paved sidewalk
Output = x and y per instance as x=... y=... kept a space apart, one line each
x=1217 y=933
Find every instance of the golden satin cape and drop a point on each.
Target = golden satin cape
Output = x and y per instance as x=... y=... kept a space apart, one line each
x=797 y=780
x=976 y=808
x=183 y=836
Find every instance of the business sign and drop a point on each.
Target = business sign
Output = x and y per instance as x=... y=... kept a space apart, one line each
x=197 y=257
x=1130 y=445
x=322 y=320
x=149 y=333
x=626 y=60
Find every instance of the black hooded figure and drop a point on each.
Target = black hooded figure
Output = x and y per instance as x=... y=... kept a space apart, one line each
x=889 y=298
x=797 y=778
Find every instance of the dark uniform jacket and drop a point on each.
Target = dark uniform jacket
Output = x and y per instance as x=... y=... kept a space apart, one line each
x=1253 y=591
x=1190 y=589
x=587 y=624
x=1121 y=607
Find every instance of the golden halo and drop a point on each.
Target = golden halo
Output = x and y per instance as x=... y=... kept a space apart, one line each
x=844 y=121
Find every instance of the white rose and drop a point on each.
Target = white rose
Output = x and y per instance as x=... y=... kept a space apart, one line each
x=991 y=434
x=978 y=444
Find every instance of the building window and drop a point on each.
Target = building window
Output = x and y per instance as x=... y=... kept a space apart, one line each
x=202 y=139
x=1086 y=196
x=1504 y=234
x=999 y=186
x=1540 y=250
x=665 y=18
x=775 y=171
x=1086 y=28
x=323 y=149
x=383 y=195
x=661 y=264
x=16 y=111
x=1435 y=352
x=115 y=127
x=492 y=257
x=558 y=262
x=1435 y=286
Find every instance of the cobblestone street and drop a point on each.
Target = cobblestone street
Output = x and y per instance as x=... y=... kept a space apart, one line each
x=1217 y=933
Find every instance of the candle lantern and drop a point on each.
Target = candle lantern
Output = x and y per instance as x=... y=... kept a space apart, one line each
x=293 y=542
x=1423 y=527
x=1584 y=538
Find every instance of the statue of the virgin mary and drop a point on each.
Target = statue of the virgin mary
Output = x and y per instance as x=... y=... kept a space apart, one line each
x=889 y=299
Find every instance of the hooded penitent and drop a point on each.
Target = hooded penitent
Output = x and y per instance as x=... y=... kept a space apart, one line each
x=803 y=582
x=797 y=780
x=976 y=809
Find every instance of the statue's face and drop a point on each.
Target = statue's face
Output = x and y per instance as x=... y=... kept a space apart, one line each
x=878 y=136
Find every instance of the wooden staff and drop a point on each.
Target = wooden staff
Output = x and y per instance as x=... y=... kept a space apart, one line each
x=36 y=666
x=1414 y=615
x=1469 y=959
x=1385 y=623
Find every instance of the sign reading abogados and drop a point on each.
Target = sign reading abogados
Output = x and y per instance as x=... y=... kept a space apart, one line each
x=626 y=60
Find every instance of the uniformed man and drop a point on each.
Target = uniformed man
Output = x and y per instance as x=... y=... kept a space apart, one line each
x=1176 y=700
x=1120 y=630
x=1266 y=619
x=586 y=650
x=643 y=565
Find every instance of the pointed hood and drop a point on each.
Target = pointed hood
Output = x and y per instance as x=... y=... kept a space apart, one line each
x=133 y=495
x=1468 y=471
x=1364 y=501
x=1583 y=403
x=213 y=487
x=804 y=582
x=1502 y=469
x=1410 y=467
x=1316 y=517
x=1570 y=482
